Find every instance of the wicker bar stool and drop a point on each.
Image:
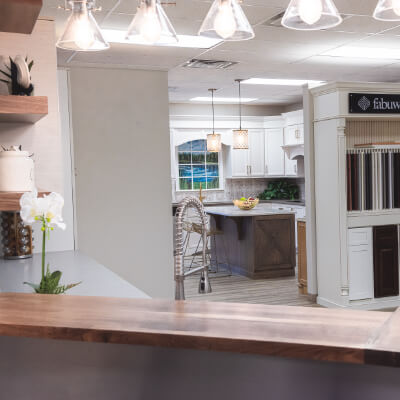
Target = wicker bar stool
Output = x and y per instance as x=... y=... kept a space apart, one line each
x=211 y=240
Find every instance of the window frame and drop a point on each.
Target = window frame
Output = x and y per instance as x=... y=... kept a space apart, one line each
x=220 y=170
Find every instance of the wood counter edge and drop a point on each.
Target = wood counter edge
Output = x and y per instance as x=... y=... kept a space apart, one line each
x=182 y=336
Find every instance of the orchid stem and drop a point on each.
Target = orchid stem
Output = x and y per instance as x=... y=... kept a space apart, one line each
x=43 y=249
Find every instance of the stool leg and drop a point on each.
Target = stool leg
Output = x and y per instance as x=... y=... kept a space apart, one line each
x=226 y=256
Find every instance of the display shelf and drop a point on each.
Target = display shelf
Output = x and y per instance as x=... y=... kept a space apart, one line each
x=9 y=201
x=24 y=109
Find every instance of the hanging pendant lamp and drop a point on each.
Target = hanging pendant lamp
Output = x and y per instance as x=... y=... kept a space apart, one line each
x=387 y=10
x=82 y=32
x=213 y=139
x=151 y=24
x=226 y=20
x=311 y=15
x=240 y=136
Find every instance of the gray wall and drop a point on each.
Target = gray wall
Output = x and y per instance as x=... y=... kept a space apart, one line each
x=36 y=369
x=122 y=159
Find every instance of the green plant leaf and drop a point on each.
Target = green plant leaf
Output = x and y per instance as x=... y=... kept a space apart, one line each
x=5 y=73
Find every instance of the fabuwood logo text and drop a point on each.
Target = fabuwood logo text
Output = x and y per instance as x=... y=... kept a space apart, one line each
x=380 y=104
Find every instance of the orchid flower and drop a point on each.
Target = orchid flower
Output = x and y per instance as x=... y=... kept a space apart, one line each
x=48 y=211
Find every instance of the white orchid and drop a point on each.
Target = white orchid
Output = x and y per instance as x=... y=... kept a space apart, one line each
x=47 y=209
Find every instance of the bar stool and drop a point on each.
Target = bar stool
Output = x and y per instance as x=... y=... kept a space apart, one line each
x=212 y=242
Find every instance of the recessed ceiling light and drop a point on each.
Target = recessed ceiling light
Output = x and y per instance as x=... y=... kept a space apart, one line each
x=280 y=82
x=224 y=99
x=188 y=41
x=364 y=52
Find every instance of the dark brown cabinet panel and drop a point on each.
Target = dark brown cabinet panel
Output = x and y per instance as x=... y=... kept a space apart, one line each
x=386 y=265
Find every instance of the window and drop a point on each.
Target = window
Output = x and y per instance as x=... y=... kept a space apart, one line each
x=197 y=166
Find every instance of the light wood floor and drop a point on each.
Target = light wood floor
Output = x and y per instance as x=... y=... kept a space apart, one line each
x=239 y=289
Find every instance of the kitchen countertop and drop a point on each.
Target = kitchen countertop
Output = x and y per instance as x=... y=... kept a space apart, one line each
x=227 y=203
x=96 y=279
x=233 y=211
x=347 y=336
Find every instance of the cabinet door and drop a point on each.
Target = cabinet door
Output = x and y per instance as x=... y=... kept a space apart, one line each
x=300 y=133
x=240 y=163
x=290 y=167
x=302 y=257
x=386 y=262
x=256 y=151
x=360 y=264
x=274 y=154
x=290 y=134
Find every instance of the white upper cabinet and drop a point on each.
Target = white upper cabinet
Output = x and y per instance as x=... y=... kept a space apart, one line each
x=250 y=163
x=294 y=134
x=274 y=156
x=240 y=163
x=256 y=152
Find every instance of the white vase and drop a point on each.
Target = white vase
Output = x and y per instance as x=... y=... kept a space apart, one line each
x=16 y=171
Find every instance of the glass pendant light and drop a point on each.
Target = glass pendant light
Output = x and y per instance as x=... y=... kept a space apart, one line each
x=387 y=10
x=213 y=139
x=82 y=32
x=226 y=20
x=311 y=15
x=151 y=24
x=240 y=136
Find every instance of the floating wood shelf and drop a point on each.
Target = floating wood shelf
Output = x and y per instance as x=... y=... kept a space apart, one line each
x=19 y=16
x=9 y=201
x=26 y=109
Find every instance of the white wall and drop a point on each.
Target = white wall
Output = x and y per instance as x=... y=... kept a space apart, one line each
x=122 y=160
x=43 y=138
x=186 y=109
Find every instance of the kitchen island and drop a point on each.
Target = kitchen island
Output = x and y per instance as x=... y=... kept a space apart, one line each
x=258 y=243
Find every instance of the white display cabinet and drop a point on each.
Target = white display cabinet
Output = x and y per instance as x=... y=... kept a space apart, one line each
x=345 y=257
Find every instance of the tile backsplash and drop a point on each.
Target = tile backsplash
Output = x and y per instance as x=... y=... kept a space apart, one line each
x=236 y=188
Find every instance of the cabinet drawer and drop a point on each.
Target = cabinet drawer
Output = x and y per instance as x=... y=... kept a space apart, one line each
x=359 y=236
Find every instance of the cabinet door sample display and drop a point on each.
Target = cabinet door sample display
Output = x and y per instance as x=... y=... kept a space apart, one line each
x=373 y=179
x=386 y=265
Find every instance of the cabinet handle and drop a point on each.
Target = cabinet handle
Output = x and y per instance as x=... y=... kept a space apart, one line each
x=295 y=168
x=250 y=169
x=266 y=169
x=297 y=134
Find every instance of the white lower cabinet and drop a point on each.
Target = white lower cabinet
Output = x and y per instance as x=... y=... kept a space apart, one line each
x=360 y=263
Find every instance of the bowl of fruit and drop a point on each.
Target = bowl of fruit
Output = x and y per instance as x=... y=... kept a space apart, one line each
x=246 y=204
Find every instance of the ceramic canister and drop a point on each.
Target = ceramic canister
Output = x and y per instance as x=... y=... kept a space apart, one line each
x=16 y=171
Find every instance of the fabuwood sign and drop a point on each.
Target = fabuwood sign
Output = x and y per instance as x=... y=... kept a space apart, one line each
x=363 y=103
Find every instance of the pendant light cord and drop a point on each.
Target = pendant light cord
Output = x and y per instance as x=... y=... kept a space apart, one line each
x=212 y=105
x=240 y=108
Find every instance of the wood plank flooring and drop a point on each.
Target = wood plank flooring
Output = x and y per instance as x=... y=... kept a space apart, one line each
x=239 y=289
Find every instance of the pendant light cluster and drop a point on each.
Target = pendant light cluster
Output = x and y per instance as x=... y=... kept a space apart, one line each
x=213 y=139
x=225 y=20
x=240 y=136
x=323 y=14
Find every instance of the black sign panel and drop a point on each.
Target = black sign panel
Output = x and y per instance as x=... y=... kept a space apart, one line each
x=366 y=103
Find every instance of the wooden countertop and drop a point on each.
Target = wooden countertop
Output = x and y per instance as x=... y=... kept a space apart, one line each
x=358 y=337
